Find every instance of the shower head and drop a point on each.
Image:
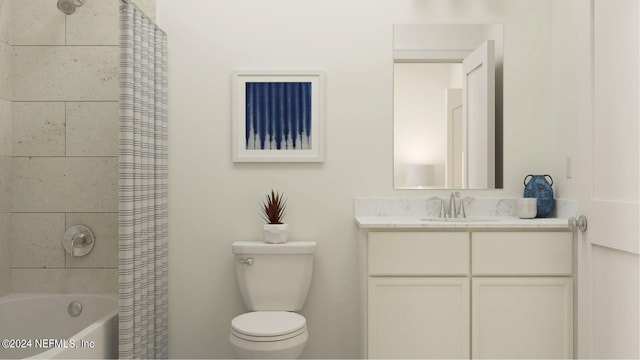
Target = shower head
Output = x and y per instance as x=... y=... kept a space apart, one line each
x=69 y=6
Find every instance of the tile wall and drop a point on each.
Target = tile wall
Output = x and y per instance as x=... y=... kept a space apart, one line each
x=6 y=53
x=63 y=144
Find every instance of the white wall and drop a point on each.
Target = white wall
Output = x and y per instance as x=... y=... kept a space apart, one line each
x=571 y=71
x=214 y=202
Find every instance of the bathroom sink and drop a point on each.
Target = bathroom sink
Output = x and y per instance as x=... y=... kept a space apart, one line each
x=461 y=220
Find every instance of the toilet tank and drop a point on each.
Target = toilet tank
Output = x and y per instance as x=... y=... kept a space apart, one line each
x=274 y=277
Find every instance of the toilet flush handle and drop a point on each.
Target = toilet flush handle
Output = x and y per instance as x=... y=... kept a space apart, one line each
x=248 y=261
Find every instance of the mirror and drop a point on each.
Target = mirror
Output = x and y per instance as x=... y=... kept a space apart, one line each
x=447 y=106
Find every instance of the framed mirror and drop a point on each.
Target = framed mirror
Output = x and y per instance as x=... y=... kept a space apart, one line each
x=448 y=106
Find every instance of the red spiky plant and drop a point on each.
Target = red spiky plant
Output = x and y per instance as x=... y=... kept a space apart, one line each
x=274 y=208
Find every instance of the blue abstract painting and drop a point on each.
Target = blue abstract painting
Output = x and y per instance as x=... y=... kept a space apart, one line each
x=278 y=116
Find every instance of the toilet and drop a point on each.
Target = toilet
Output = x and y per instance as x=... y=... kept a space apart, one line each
x=274 y=281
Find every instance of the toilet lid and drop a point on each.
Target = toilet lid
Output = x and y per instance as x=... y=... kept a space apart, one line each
x=268 y=323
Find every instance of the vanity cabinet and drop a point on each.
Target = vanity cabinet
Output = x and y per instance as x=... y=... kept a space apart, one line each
x=469 y=294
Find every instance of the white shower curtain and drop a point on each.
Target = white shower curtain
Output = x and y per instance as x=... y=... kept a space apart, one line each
x=142 y=267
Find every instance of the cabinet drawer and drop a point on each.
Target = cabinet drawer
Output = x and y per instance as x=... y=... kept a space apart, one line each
x=522 y=253
x=418 y=253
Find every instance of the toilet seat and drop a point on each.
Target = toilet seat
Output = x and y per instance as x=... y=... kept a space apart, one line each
x=261 y=326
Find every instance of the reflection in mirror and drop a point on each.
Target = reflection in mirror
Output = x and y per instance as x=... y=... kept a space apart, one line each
x=447 y=106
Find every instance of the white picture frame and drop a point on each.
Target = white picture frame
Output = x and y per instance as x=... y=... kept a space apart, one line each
x=263 y=128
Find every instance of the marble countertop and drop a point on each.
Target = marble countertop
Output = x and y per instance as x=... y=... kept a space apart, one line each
x=492 y=222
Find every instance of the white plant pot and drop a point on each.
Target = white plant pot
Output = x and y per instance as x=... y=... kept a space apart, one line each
x=275 y=233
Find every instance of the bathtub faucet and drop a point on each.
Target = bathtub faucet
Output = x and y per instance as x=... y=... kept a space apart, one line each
x=79 y=240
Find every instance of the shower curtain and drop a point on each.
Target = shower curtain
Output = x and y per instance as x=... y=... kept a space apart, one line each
x=142 y=266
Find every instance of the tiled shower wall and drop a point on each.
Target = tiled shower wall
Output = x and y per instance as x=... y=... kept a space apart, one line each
x=64 y=136
x=5 y=146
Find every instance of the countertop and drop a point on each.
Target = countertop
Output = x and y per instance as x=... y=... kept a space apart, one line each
x=493 y=222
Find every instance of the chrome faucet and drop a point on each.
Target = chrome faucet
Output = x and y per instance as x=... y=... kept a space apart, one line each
x=452 y=204
x=454 y=211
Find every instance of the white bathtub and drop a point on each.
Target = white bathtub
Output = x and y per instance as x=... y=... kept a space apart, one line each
x=40 y=326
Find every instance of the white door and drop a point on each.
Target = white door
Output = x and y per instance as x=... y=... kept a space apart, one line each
x=608 y=302
x=453 y=165
x=478 y=70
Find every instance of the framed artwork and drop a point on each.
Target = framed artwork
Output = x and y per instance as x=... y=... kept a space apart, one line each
x=278 y=116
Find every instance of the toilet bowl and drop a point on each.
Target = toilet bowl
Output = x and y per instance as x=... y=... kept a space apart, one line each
x=274 y=281
x=269 y=335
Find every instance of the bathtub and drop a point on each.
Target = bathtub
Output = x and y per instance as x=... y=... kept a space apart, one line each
x=41 y=326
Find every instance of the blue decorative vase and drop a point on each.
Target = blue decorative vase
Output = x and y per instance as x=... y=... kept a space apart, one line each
x=539 y=187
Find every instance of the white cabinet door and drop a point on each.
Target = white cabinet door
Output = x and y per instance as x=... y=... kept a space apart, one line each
x=418 y=318
x=522 y=318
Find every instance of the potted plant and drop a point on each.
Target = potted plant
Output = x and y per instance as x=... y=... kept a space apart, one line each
x=273 y=211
